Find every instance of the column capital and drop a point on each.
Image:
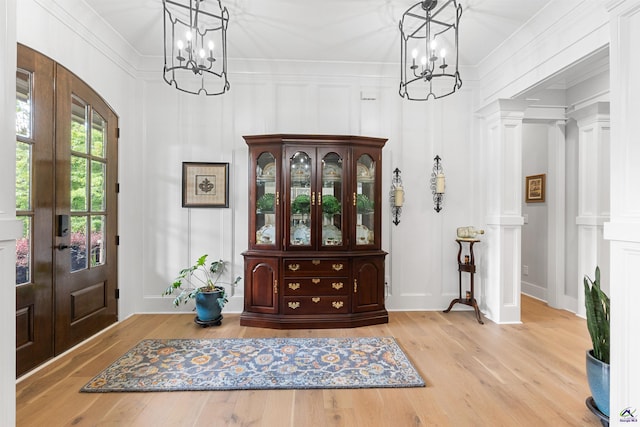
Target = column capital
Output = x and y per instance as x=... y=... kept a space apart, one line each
x=505 y=108
x=592 y=113
x=546 y=114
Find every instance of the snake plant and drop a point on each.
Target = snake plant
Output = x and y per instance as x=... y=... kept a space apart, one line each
x=597 y=307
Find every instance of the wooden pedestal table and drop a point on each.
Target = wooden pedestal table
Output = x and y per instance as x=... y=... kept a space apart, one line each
x=466 y=265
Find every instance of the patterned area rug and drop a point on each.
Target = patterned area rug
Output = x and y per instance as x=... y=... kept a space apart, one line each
x=258 y=363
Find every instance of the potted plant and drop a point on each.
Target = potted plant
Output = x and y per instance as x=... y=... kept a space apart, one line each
x=597 y=308
x=201 y=282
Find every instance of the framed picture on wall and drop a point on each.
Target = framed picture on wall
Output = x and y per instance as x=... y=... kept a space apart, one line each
x=205 y=185
x=535 y=188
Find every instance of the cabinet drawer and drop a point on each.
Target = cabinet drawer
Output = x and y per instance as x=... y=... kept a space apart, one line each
x=316 y=305
x=315 y=267
x=315 y=286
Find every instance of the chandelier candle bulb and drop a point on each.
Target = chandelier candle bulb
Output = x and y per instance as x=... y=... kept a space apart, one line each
x=440 y=183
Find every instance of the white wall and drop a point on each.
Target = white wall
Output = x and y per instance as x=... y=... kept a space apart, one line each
x=10 y=229
x=179 y=127
x=623 y=230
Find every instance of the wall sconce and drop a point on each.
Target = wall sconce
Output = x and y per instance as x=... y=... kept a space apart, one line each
x=396 y=196
x=437 y=183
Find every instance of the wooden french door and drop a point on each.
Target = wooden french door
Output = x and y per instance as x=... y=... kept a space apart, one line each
x=66 y=195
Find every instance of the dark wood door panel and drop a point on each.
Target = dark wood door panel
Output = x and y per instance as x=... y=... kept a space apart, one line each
x=34 y=299
x=85 y=294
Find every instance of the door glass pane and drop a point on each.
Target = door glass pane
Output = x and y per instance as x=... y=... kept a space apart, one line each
x=332 y=200
x=98 y=254
x=78 y=125
x=365 y=200
x=98 y=135
x=98 y=174
x=23 y=104
x=23 y=176
x=78 y=249
x=266 y=199
x=23 y=252
x=300 y=199
x=78 y=184
x=24 y=162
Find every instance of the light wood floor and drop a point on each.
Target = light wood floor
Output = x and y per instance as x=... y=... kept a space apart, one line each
x=531 y=374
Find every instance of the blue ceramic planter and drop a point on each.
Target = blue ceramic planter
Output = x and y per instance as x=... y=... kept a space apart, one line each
x=598 y=377
x=207 y=307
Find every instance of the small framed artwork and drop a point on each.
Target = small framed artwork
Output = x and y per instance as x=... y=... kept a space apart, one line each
x=534 y=188
x=205 y=185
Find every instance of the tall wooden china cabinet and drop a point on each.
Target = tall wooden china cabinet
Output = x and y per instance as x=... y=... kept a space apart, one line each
x=314 y=257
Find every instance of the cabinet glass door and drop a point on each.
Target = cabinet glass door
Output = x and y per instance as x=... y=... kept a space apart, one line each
x=365 y=200
x=300 y=199
x=267 y=198
x=331 y=200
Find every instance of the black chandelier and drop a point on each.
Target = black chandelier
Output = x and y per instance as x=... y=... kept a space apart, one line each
x=429 y=50
x=195 y=46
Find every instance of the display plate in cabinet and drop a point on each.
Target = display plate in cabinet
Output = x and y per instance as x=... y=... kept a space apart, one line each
x=315 y=286
x=316 y=305
x=310 y=267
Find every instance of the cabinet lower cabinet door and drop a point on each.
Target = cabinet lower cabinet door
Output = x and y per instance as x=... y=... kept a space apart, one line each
x=368 y=284
x=261 y=285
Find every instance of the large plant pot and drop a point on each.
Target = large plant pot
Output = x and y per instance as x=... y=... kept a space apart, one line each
x=598 y=377
x=207 y=307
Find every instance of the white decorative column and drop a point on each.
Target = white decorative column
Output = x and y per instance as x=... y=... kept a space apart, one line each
x=623 y=230
x=503 y=193
x=593 y=193
x=556 y=201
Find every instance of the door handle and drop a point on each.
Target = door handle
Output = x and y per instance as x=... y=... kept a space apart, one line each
x=61 y=247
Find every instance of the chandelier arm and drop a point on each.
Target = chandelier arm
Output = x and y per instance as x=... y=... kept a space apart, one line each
x=444 y=24
x=412 y=35
x=212 y=15
x=434 y=14
x=414 y=15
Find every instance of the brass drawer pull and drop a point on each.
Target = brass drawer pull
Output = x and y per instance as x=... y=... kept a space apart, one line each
x=315 y=299
x=315 y=262
x=294 y=267
x=337 y=304
x=294 y=305
x=337 y=285
x=315 y=281
x=294 y=286
x=337 y=267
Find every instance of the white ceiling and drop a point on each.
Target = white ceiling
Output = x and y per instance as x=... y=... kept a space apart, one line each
x=322 y=30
